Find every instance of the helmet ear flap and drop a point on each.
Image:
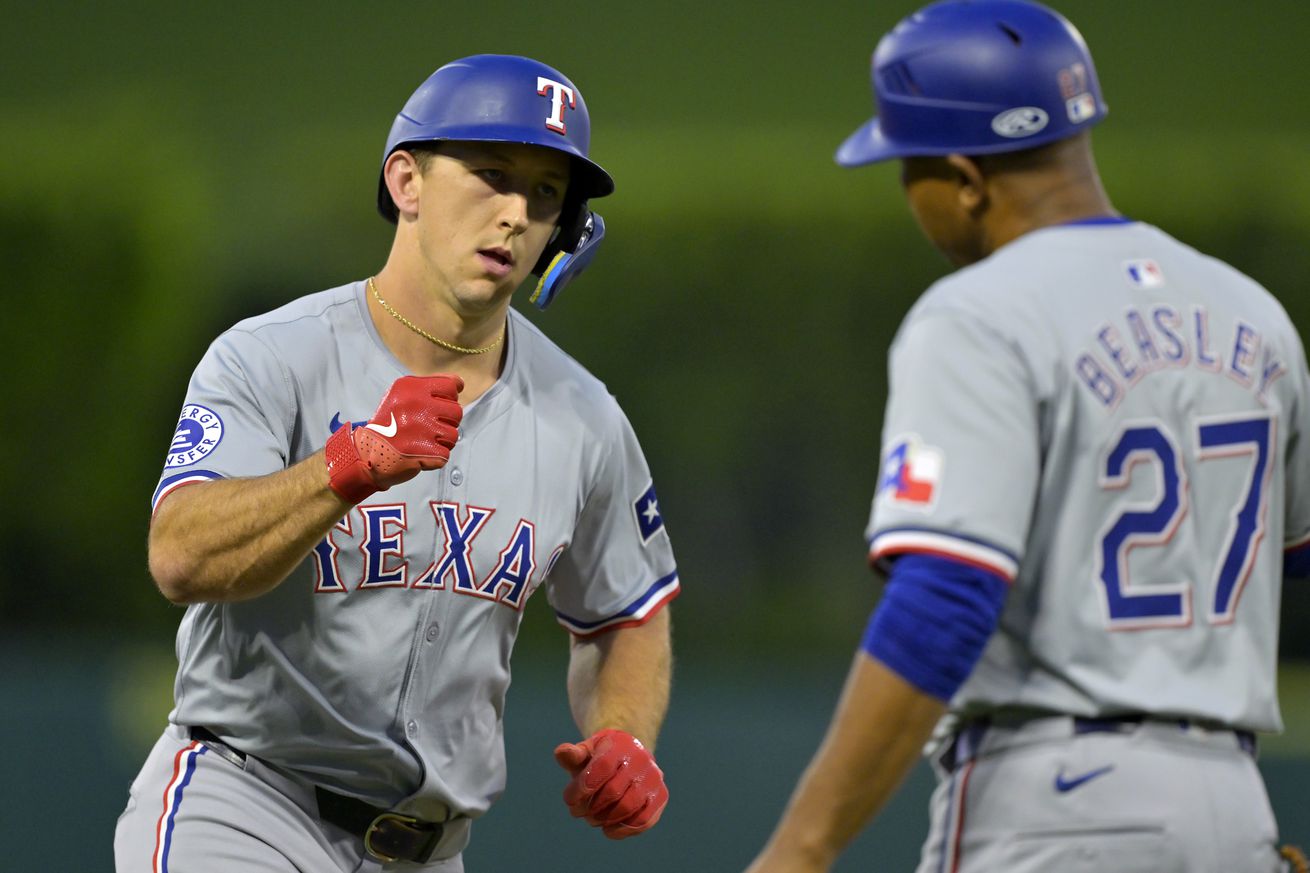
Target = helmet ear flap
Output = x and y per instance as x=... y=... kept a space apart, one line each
x=572 y=223
x=561 y=263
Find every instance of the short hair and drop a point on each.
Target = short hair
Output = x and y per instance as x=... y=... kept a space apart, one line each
x=1038 y=157
x=423 y=153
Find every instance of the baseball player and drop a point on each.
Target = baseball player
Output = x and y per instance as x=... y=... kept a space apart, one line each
x=365 y=487
x=1094 y=477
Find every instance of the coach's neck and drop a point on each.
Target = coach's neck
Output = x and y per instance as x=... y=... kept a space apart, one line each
x=1023 y=191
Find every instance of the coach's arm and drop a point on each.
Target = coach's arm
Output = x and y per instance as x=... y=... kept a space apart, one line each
x=922 y=642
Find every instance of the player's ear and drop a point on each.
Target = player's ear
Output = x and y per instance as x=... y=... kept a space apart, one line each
x=971 y=184
x=404 y=180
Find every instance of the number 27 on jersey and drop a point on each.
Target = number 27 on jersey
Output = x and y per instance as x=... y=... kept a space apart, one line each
x=1154 y=524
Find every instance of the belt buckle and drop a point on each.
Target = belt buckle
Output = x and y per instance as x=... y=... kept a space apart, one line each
x=375 y=824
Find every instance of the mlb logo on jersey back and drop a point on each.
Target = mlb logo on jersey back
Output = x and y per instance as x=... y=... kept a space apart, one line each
x=1144 y=273
x=911 y=474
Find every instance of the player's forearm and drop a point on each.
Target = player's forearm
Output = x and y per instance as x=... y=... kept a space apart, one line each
x=233 y=539
x=875 y=738
x=621 y=679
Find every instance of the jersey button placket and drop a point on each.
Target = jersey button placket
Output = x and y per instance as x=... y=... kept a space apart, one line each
x=416 y=672
x=456 y=476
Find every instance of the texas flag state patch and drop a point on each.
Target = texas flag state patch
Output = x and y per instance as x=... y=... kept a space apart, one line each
x=911 y=473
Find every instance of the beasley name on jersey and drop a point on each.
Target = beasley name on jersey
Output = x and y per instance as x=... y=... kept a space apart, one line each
x=1148 y=339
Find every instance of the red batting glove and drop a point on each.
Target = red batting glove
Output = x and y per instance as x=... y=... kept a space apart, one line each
x=616 y=783
x=414 y=429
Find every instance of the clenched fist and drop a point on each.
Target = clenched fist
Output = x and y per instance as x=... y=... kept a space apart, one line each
x=616 y=783
x=414 y=429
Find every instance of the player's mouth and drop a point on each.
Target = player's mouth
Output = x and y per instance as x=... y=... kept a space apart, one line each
x=498 y=262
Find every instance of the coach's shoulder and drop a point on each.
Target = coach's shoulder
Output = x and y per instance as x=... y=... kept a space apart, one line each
x=979 y=292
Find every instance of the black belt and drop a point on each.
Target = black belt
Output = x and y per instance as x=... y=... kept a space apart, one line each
x=1245 y=739
x=964 y=745
x=388 y=836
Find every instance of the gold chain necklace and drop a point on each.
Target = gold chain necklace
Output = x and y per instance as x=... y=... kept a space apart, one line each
x=463 y=350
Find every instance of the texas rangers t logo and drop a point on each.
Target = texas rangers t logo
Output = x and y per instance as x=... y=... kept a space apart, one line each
x=559 y=93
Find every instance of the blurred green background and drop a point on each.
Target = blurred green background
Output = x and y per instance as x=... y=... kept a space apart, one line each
x=169 y=169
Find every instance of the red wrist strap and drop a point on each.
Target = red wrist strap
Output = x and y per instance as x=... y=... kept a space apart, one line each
x=348 y=475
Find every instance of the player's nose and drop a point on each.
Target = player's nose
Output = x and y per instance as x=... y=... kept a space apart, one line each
x=514 y=211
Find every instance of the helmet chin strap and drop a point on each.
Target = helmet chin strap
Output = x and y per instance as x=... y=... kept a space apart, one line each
x=567 y=265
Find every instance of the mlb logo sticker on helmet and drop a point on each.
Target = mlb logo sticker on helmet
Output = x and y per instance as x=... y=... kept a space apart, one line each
x=1081 y=108
x=1079 y=103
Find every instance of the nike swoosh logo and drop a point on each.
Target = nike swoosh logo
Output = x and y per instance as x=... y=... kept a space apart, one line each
x=1063 y=785
x=388 y=431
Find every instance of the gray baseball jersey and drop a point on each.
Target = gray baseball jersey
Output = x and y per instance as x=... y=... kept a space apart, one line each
x=1117 y=424
x=379 y=668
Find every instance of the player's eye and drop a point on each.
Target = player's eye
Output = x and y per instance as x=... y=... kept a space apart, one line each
x=549 y=191
x=491 y=175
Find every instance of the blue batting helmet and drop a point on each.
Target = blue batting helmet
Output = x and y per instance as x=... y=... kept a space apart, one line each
x=507 y=98
x=977 y=77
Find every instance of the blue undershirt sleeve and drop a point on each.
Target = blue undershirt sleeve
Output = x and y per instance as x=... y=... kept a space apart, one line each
x=934 y=619
x=1296 y=563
